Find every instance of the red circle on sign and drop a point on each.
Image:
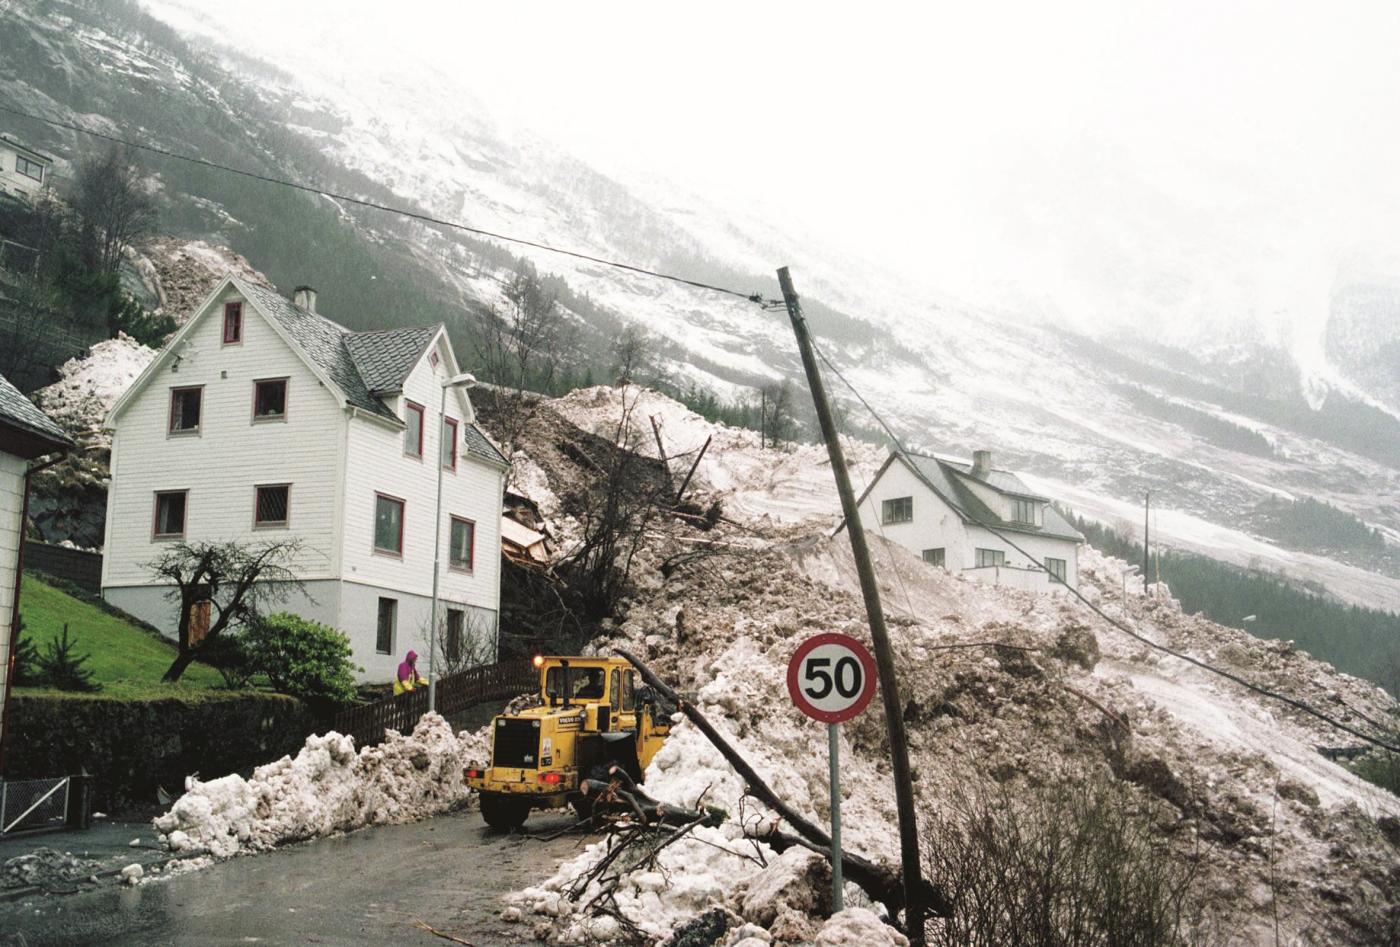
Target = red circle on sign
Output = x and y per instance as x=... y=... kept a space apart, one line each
x=807 y=686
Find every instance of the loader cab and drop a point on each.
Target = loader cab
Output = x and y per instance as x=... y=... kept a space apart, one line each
x=606 y=688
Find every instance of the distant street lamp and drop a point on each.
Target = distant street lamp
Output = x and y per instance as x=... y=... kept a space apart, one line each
x=464 y=380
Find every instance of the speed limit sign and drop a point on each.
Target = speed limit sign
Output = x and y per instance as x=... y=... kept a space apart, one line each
x=831 y=677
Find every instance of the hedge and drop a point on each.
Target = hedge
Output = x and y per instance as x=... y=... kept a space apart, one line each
x=132 y=746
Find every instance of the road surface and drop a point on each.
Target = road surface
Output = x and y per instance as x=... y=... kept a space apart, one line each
x=367 y=887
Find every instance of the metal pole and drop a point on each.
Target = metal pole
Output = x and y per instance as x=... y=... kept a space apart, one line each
x=1146 y=511
x=833 y=751
x=915 y=898
x=437 y=553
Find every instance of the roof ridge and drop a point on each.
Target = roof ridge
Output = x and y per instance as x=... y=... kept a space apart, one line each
x=426 y=325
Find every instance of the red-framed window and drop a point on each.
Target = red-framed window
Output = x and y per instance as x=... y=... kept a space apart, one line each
x=270 y=399
x=413 y=429
x=272 y=505
x=388 y=524
x=168 y=518
x=449 y=443
x=233 y=323
x=461 y=545
x=186 y=408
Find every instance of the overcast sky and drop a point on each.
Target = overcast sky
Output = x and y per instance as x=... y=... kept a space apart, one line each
x=1202 y=162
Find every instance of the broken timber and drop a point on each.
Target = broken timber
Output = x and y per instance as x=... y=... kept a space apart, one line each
x=881 y=883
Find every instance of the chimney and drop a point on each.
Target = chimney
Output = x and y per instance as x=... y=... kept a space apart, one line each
x=305 y=297
x=981 y=463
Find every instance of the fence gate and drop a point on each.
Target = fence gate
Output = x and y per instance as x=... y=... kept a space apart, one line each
x=29 y=804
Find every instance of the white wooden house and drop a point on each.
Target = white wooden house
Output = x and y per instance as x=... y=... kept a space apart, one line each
x=24 y=172
x=27 y=438
x=939 y=507
x=263 y=420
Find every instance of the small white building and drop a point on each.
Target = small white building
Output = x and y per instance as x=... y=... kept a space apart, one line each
x=939 y=507
x=24 y=172
x=27 y=437
x=263 y=420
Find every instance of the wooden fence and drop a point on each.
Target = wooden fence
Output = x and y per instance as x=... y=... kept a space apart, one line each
x=455 y=692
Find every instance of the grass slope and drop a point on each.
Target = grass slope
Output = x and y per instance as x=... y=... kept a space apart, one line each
x=126 y=660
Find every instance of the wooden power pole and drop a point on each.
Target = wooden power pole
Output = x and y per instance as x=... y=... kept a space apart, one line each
x=914 y=906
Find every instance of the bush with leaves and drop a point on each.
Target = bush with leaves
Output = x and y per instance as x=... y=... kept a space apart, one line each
x=61 y=667
x=228 y=654
x=301 y=657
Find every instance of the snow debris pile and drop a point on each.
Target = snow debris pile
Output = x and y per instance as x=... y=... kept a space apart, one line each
x=46 y=867
x=780 y=485
x=1001 y=688
x=327 y=787
x=89 y=386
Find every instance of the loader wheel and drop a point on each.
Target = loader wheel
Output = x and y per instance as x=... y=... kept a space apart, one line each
x=502 y=812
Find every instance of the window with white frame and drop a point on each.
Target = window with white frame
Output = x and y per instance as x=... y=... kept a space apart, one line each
x=1057 y=569
x=935 y=557
x=30 y=169
x=1023 y=511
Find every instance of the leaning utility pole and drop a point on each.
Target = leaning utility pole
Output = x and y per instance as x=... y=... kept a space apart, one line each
x=914 y=908
x=1146 y=518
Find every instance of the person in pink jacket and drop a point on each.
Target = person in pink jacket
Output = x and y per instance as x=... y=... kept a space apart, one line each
x=408 y=677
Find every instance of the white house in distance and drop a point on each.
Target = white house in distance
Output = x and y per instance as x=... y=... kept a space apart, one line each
x=24 y=172
x=27 y=435
x=262 y=420
x=933 y=505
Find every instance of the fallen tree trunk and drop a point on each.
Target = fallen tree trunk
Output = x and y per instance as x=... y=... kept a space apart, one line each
x=881 y=883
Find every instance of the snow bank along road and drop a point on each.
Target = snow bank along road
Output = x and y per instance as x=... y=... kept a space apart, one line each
x=367 y=887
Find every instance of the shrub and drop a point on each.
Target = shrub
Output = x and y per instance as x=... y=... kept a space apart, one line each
x=1069 y=863
x=228 y=654
x=302 y=658
x=62 y=668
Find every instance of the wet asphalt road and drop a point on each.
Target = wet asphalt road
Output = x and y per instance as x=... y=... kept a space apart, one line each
x=364 y=888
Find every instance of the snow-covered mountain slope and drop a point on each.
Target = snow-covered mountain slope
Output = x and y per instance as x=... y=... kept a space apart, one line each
x=1113 y=418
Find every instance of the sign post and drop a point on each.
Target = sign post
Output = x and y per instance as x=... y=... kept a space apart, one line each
x=831 y=678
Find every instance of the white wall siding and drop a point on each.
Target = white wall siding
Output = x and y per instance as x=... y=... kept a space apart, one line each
x=12 y=470
x=377 y=465
x=222 y=464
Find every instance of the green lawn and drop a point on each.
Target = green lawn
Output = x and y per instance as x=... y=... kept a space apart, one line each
x=126 y=660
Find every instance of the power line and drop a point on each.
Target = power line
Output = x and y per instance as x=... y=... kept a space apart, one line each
x=402 y=212
x=1115 y=623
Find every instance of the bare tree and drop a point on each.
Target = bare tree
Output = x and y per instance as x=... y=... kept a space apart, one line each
x=631 y=353
x=616 y=513
x=519 y=351
x=777 y=421
x=113 y=208
x=222 y=584
x=31 y=330
x=470 y=645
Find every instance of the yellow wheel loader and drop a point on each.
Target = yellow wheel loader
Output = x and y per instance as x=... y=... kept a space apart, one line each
x=592 y=720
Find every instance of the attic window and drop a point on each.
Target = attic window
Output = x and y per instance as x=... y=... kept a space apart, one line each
x=233 y=323
x=1023 y=511
x=30 y=169
x=413 y=429
x=898 y=510
x=433 y=359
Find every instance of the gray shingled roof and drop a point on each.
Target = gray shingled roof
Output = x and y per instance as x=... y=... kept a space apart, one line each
x=945 y=477
x=17 y=411
x=386 y=356
x=361 y=364
x=480 y=446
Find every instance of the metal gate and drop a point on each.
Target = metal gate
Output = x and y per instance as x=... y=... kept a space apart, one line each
x=30 y=804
